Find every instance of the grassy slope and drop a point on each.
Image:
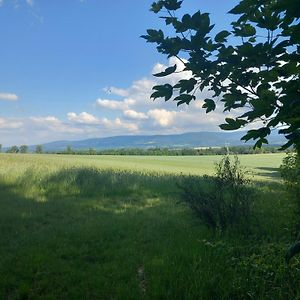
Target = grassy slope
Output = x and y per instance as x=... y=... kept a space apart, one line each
x=70 y=231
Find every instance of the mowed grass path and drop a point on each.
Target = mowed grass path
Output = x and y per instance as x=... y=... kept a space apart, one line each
x=109 y=227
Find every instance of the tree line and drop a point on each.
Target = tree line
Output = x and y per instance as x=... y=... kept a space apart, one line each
x=22 y=149
x=149 y=151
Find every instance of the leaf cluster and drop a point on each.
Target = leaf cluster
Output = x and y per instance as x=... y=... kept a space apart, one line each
x=253 y=69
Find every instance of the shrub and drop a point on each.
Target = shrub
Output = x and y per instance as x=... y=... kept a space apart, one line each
x=290 y=172
x=223 y=201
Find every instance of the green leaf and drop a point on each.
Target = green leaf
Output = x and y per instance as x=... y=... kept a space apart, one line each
x=186 y=85
x=274 y=122
x=209 y=104
x=166 y=72
x=255 y=134
x=233 y=124
x=186 y=19
x=169 y=20
x=286 y=145
x=221 y=36
x=245 y=30
x=184 y=98
x=172 y=4
x=239 y=9
x=162 y=91
x=248 y=30
x=259 y=143
x=154 y=36
x=251 y=134
x=201 y=23
x=156 y=6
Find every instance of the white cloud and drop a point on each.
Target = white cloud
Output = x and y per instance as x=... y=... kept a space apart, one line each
x=119 y=124
x=114 y=104
x=132 y=114
x=162 y=117
x=55 y=125
x=42 y=129
x=10 y=124
x=8 y=97
x=116 y=91
x=46 y=120
x=83 y=118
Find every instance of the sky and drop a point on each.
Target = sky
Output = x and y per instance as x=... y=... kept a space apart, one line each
x=76 y=69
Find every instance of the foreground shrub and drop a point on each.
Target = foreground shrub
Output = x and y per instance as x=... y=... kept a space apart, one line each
x=223 y=201
x=290 y=172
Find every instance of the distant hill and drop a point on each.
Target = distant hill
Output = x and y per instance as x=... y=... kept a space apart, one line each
x=185 y=140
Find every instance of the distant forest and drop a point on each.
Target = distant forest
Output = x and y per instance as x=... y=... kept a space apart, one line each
x=176 y=152
x=152 y=151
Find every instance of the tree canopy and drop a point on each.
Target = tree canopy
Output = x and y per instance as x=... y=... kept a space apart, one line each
x=252 y=70
x=39 y=149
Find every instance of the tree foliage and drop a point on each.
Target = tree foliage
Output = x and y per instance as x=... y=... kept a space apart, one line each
x=39 y=149
x=253 y=69
x=23 y=149
x=13 y=149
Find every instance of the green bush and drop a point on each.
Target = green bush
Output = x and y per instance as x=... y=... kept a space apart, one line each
x=290 y=172
x=221 y=202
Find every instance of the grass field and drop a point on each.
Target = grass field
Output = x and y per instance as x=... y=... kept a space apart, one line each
x=262 y=165
x=109 y=227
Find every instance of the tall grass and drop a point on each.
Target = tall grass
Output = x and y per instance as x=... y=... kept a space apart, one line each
x=76 y=231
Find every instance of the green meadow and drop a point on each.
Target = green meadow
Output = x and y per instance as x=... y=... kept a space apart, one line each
x=113 y=227
x=262 y=165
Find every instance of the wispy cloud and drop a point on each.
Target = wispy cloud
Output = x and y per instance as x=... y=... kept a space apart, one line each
x=30 y=2
x=10 y=123
x=8 y=97
x=114 y=104
x=132 y=114
x=82 y=118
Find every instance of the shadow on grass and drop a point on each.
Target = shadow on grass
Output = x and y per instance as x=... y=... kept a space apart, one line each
x=268 y=172
x=89 y=182
x=81 y=233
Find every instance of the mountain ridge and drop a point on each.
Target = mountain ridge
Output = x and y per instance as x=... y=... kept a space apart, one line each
x=182 y=140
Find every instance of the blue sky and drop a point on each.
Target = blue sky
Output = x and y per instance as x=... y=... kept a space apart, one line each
x=73 y=69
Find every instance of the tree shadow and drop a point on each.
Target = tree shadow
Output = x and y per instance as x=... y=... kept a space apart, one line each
x=116 y=186
x=268 y=172
x=83 y=233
